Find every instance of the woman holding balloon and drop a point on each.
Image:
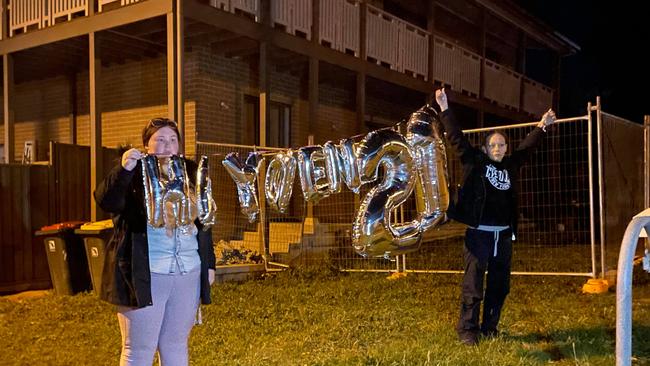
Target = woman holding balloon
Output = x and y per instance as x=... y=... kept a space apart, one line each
x=159 y=265
x=487 y=203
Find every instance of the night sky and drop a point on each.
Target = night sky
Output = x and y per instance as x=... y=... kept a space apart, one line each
x=614 y=39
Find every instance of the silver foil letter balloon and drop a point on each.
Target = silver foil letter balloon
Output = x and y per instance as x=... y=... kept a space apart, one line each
x=312 y=169
x=168 y=199
x=373 y=234
x=279 y=181
x=245 y=176
x=342 y=165
x=153 y=190
x=177 y=200
x=206 y=207
x=432 y=190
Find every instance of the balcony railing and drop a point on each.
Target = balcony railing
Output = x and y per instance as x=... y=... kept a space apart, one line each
x=339 y=25
x=389 y=40
x=413 y=44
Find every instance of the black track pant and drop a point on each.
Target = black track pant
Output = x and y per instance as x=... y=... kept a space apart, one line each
x=479 y=254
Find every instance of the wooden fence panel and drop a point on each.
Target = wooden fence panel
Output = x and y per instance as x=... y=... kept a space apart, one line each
x=25 y=209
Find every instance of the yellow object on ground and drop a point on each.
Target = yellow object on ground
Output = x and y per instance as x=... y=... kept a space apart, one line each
x=396 y=275
x=595 y=286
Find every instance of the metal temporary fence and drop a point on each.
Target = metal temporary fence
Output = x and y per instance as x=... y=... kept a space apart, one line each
x=623 y=185
x=559 y=199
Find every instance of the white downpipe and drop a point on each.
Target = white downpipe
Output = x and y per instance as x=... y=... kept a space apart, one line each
x=624 y=287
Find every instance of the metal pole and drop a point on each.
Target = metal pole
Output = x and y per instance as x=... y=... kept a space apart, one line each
x=624 y=289
x=601 y=187
x=646 y=168
x=590 y=164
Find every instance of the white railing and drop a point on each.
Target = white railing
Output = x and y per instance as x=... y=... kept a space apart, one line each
x=247 y=6
x=302 y=17
x=339 y=25
x=281 y=13
x=66 y=9
x=102 y=3
x=329 y=25
x=220 y=4
x=251 y=7
x=502 y=85
x=294 y=15
x=350 y=32
x=26 y=13
x=537 y=97
x=413 y=50
x=469 y=71
x=382 y=37
x=445 y=63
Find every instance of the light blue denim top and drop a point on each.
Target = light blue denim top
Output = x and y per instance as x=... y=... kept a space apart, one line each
x=168 y=254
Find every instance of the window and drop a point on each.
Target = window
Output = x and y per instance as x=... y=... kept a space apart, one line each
x=278 y=127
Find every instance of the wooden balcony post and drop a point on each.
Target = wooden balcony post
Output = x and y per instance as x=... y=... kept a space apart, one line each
x=8 y=85
x=5 y=20
x=175 y=75
x=315 y=21
x=96 y=156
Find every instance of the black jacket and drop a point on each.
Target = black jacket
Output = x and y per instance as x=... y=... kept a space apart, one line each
x=469 y=204
x=126 y=278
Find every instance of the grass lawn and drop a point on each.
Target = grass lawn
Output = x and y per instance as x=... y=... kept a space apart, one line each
x=322 y=318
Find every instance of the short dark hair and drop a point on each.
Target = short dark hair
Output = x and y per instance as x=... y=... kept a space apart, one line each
x=155 y=124
x=495 y=132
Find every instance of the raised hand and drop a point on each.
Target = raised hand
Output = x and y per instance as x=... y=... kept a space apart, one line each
x=441 y=99
x=130 y=158
x=547 y=119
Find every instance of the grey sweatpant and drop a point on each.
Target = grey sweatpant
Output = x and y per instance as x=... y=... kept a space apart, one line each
x=165 y=325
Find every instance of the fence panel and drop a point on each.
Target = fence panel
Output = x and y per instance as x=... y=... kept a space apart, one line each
x=329 y=23
x=414 y=50
x=444 y=59
x=537 y=97
x=382 y=37
x=66 y=9
x=220 y=4
x=102 y=3
x=623 y=180
x=281 y=13
x=247 y=6
x=349 y=28
x=25 y=209
x=301 y=17
x=26 y=13
x=502 y=85
x=469 y=71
